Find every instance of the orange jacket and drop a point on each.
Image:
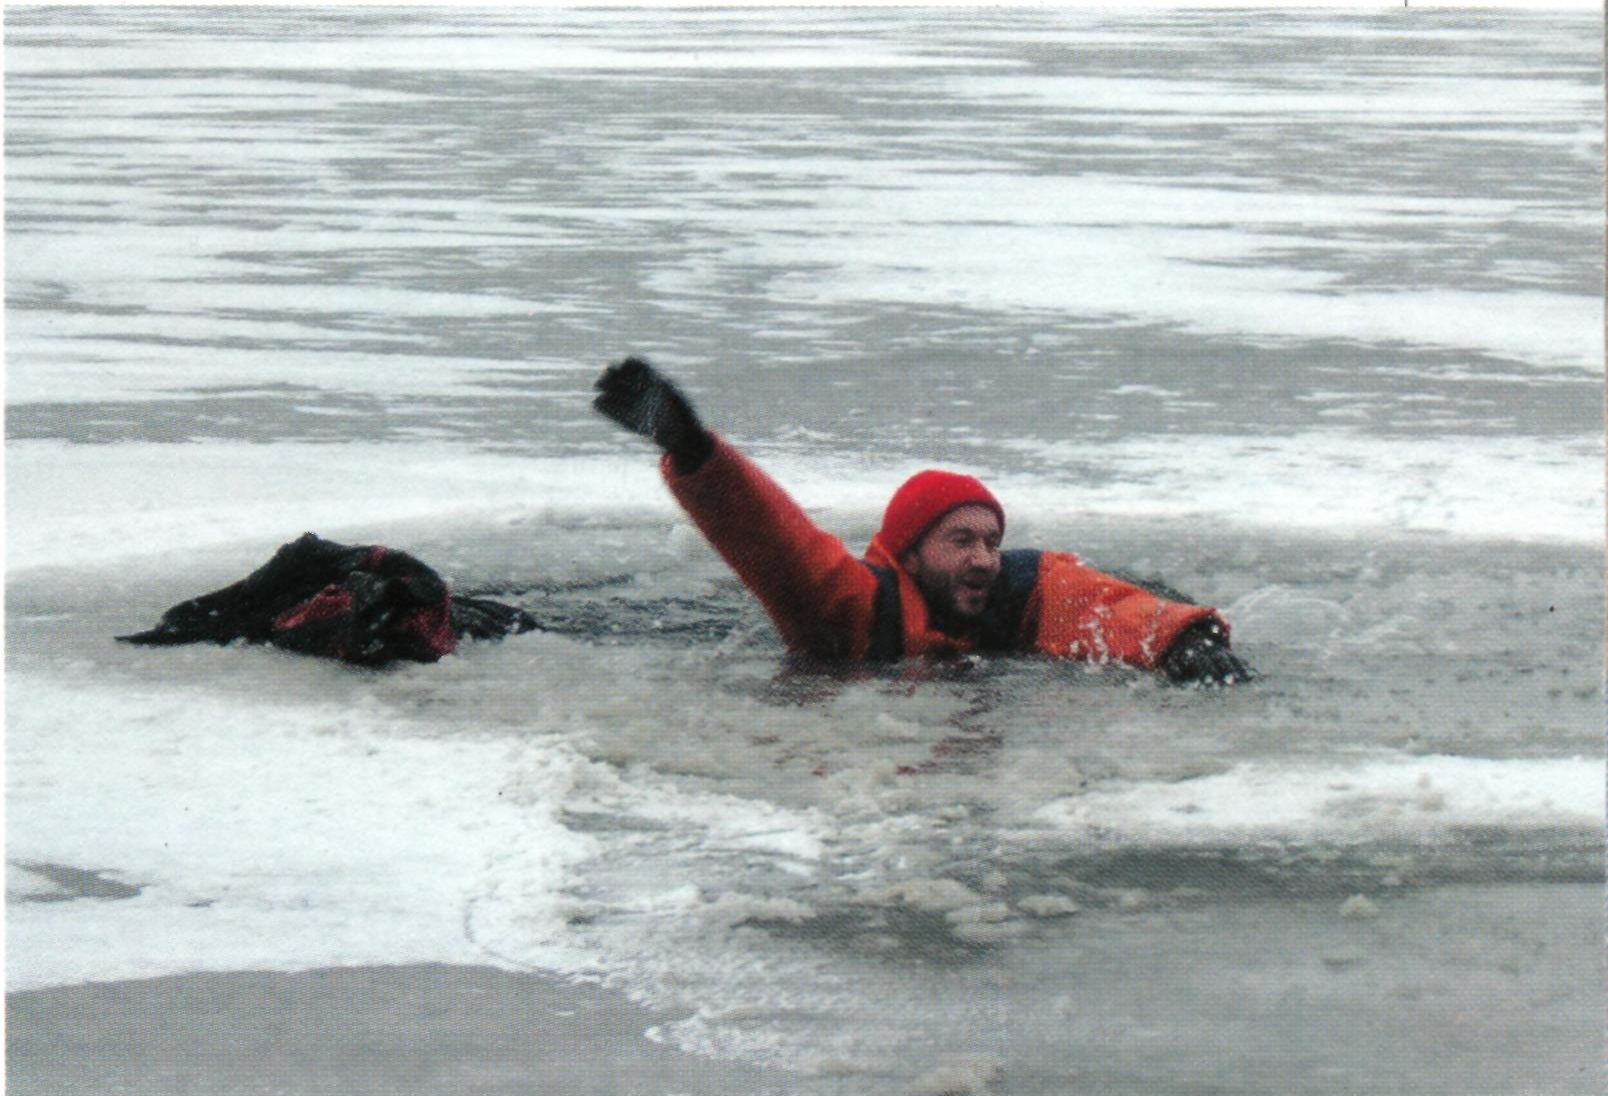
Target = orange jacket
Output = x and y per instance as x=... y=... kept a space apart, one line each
x=824 y=601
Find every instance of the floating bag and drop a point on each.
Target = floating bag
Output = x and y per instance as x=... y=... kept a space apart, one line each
x=367 y=605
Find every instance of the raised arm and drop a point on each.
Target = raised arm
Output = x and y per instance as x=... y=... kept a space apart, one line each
x=633 y=394
x=820 y=597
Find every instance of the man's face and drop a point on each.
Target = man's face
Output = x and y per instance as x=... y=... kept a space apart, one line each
x=956 y=562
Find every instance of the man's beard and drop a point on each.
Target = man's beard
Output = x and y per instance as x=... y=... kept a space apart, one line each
x=943 y=609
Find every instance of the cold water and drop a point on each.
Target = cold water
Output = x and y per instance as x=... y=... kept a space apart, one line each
x=1298 y=312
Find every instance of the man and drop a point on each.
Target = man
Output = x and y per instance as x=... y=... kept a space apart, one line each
x=933 y=581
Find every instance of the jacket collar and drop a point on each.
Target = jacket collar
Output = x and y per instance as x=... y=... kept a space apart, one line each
x=877 y=555
x=920 y=638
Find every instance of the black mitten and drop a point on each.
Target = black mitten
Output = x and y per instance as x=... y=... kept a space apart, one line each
x=634 y=395
x=1201 y=654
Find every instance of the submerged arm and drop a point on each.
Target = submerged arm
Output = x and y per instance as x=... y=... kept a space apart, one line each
x=1089 y=615
x=1201 y=654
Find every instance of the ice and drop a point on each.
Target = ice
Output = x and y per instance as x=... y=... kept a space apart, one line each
x=1374 y=799
x=73 y=506
x=309 y=816
x=1476 y=487
x=958 y=1076
x=1389 y=98
x=463 y=54
x=1207 y=280
x=282 y=834
x=1359 y=907
x=933 y=895
x=1048 y=905
x=1347 y=397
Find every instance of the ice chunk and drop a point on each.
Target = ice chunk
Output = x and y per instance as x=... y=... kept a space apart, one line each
x=1048 y=905
x=982 y=913
x=934 y=895
x=959 y=1076
x=1358 y=907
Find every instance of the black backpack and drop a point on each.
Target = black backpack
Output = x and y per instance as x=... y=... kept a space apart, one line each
x=366 y=604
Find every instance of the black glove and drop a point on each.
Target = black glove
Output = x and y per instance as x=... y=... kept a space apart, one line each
x=1201 y=654
x=634 y=395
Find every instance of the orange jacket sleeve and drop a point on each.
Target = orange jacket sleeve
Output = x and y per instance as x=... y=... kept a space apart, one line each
x=819 y=595
x=1088 y=615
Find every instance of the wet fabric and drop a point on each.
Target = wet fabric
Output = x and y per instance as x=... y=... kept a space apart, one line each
x=364 y=604
x=828 y=604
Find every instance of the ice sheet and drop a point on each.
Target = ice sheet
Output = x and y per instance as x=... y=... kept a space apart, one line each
x=70 y=505
x=282 y=834
x=1417 y=797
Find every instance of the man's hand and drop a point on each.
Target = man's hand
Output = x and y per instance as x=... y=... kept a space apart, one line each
x=634 y=395
x=1201 y=654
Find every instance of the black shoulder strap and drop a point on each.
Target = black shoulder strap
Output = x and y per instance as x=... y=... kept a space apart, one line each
x=887 y=617
x=1002 y=620
x=1007 y=601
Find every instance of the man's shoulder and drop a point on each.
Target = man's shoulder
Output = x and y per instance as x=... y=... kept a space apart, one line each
x=1039 y=563
x=1021 y=566
x=1055 y=559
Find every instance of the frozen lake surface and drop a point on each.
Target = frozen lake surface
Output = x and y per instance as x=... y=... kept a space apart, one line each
x=1299 y=312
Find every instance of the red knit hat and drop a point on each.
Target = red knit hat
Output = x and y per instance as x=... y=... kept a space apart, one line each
x=923 y=500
